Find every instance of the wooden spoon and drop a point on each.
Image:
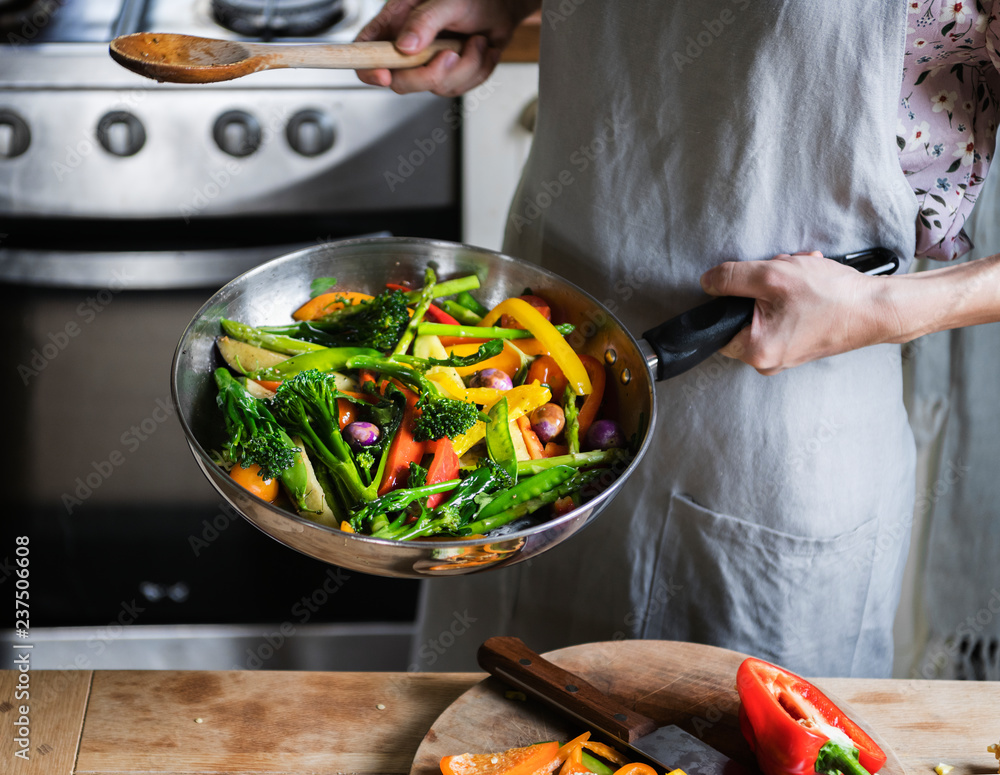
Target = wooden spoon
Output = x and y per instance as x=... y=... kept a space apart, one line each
x=176 y=58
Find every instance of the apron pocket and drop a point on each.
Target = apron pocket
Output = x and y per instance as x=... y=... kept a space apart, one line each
x=794 y=600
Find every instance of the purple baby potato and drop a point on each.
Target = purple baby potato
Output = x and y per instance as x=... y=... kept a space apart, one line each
x=605 y=434
x=547 y=421
x=361 y=434
x=492 y=378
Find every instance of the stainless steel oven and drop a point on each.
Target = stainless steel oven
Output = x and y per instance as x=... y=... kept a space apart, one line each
x=123 y=204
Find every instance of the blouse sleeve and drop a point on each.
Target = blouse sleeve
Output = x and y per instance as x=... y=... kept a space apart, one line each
x=948 y=115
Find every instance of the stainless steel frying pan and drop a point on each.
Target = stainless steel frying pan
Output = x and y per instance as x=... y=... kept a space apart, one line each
x=268 y=294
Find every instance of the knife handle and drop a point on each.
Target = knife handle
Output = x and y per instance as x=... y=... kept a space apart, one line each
x=514 y=663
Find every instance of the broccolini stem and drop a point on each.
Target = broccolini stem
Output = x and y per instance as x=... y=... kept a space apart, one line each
x=447 y=288
x=597 y=457
x=275 y=342
x=462 y=314
x=423 y=302
x=483 y=332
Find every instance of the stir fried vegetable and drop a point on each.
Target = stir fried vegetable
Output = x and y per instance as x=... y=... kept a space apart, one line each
x=372 y=422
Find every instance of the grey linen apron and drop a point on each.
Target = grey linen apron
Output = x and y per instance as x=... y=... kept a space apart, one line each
x=771 y=515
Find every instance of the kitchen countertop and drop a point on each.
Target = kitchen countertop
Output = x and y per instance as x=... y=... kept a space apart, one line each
x=172 y=722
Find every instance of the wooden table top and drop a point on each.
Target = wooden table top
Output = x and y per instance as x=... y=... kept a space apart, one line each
x=173 y=722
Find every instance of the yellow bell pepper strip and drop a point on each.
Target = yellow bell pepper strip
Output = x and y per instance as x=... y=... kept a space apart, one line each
x=482 y=396
x=521 y=400
x=548 y=336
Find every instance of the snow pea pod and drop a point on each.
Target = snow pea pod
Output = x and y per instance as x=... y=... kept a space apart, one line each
x=499 y=443
x=529 y=489
x=527 y=506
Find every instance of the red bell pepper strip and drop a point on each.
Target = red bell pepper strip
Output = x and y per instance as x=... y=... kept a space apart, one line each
x=794 y=729
x=443 y=467
x=434 y=313
x=403 y=449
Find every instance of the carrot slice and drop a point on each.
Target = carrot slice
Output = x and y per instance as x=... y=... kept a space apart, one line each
x=326 y=303
x=516 y=761
x=531 y=441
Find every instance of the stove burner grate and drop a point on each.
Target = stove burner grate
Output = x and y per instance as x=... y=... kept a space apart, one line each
x=277 y=18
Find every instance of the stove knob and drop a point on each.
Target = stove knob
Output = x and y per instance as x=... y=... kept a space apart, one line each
x=121 y=133
x=310 y=132
x=237 y=133
x=15 y=137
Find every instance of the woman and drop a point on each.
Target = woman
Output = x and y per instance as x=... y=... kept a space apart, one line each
x=772 y=514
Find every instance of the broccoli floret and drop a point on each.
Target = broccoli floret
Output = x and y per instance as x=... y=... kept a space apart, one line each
x=443 y=417
x=378 y=324
x=307 y=405
x=255 y=438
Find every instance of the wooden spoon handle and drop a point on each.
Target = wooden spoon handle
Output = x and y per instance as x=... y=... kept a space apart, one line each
x=350 y=56
x=514 y=663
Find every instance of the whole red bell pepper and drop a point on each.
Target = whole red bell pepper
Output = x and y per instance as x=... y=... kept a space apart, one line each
x=793 y=728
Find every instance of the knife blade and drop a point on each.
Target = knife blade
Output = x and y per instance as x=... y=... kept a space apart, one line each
x=638 y=736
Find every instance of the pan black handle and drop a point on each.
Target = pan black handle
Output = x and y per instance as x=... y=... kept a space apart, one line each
x=686 y=340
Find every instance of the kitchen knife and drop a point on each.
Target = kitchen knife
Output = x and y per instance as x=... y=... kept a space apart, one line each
x=666 y=748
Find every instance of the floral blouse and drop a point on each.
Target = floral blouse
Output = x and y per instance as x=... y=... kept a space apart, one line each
x=948 y=113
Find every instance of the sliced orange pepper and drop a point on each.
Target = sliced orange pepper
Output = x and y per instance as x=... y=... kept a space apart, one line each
x=346 y=414
x=516 y=761
x=592 y=404
x=546 y=334
x=554 y=450
x=605 y=751
x=326 y=303
x=636 y=768
x=574 y=763
x=508 y=361
x=345 y=527
x=269 y=384
x=573 y=744
x=531 y=441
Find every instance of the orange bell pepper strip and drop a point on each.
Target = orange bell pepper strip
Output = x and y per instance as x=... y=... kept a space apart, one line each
x=346 y=413
x=605 y=752
x=403 y=449
x=592 y=404
x=574 y=764
x=326 y=303
x=443 y=467
x=516 y=761
x=548 y=336
x=577 y=742
x=269 y=384
x=554 y=450
x=638 y=768
x=508 y=361
x=531 y=440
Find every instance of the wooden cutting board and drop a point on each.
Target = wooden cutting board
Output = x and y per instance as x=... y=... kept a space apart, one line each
x=686 y=684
